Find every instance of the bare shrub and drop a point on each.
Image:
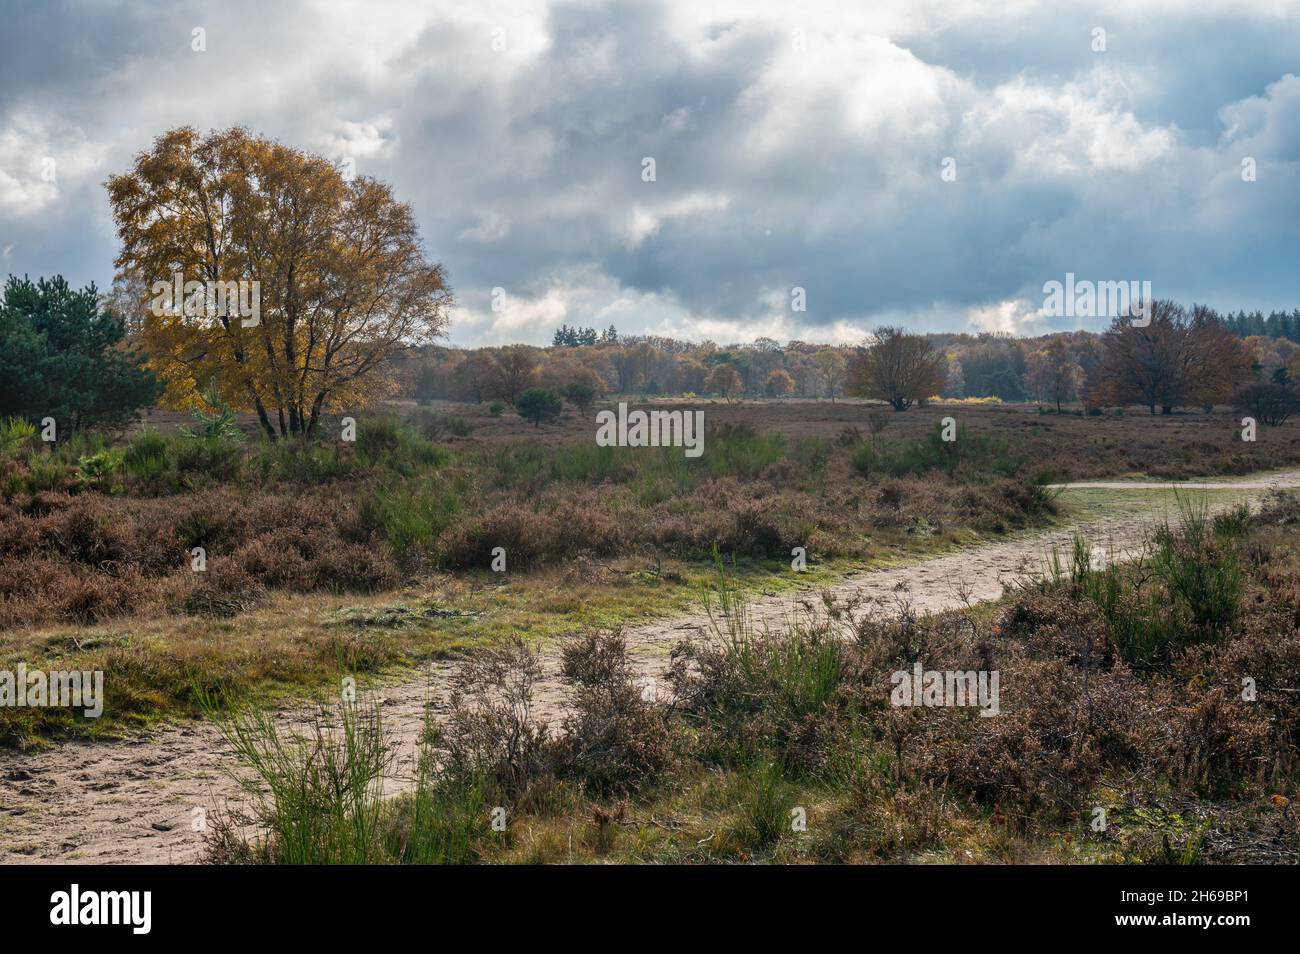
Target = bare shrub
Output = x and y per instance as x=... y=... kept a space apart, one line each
x=616 y=740
x=491 y=731
x=224 y=589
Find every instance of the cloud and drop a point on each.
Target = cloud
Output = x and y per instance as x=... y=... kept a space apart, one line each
x=40 y=163
x=1016 y=317
x=359 y=140
x=491 y=227
x=795 y=144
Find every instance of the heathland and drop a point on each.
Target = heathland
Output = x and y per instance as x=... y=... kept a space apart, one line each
x=768 y=734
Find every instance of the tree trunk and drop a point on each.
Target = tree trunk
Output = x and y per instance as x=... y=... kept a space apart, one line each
x=316 y=406
x=262 y=416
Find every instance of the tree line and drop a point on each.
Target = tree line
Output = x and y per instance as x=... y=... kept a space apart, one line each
x=1180 y=357
x=350 y=309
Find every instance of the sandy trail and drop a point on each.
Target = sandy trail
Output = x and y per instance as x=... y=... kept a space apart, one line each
x=132 y=802
x=1271 y=482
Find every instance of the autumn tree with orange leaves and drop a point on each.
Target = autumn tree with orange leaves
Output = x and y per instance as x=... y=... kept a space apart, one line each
x=1175 y=358
x=344 y=282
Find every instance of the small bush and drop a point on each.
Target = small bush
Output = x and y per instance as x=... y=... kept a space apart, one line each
x=972 y=455
x=436 y=427
x=100 y=471
x=736 y=450
x=16 y=434
x=147 y=456
x=318 y=794
x=410 y=517
x=616 y=740
x=212 y=458
x=491 y=732
x=764 y=801
x=224 y=589
x=46 y=474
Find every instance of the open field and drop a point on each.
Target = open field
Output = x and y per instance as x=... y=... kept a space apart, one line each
x=1071 y=446
x=889 y=531
x=133 y=800
x=98 y=566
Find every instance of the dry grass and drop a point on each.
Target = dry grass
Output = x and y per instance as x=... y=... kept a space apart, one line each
x=783 y=745
x=97 y=570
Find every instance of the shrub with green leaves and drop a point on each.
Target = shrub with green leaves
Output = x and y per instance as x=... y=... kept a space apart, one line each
x=1186 y=589
x=386 y=442
x=539 y=405
x=212 y=457
x=737 y=450
x=100 y=471
x=15 y=434
x=217 y=424
x=969 y=454
x=580 y=394
x=147 y=454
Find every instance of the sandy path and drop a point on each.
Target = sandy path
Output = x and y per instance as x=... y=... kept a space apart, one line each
x=132 y=802
x=1276 y=481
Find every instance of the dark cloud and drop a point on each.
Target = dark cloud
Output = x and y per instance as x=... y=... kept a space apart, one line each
x=795 y=145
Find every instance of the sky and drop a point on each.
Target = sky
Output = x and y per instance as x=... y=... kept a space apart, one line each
x=926 y=164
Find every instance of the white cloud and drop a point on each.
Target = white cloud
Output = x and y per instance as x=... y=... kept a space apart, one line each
x=1077 y=129
x=40 y=163
x=1016 y=317
x=644 y=221
x=360 y=140
x=491 y=227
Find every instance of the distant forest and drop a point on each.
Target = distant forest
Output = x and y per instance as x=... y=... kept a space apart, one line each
x=1053 y=368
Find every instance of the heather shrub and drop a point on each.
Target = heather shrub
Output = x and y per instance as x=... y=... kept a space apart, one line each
x=491 y=731
x=435 y=426
x=213 y=520
x=224 y=589
x=93 y=597
x=212 y=458
x=616 y=739
x=35 y=589
x=87 y=532
x=281 y=558
x=533 y=535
